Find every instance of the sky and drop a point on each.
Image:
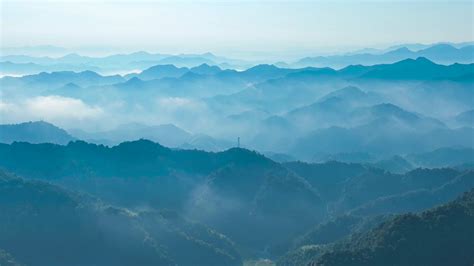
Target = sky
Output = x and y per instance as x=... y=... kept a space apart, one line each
x=232 y=27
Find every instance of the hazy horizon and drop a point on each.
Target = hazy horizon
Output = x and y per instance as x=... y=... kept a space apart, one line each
x=268 y=29
x=54 y=51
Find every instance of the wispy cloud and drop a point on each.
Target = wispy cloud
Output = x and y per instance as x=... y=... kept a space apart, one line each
x=53 y=108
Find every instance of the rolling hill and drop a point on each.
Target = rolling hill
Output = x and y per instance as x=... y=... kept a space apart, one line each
x=439 y=236
x=34 y=132
x=42 y=224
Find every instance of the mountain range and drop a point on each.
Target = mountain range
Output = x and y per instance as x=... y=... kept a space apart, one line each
x=228 y=189
x=443 y=53
x=440 y=53
x=362 y=158
x=118 y=63
x=170 y=135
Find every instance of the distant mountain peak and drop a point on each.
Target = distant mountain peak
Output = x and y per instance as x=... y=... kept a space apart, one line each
x=403 y=49
x=89 y=73
x=205 y=69
x=209 y=54
x=159 y=71
x=440 y=47
x=134 y=81
x=141 y=53
x=71 y=55
x=71 y=85
x=424 y=60
x=400 y=51
x=263 y=67
x=349 y=90
x=411 y=61
x=190 y=75
x=142 y=146
x=161 y=67
x=391 y=110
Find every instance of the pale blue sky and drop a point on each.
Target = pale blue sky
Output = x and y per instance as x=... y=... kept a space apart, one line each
x=233 y=26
